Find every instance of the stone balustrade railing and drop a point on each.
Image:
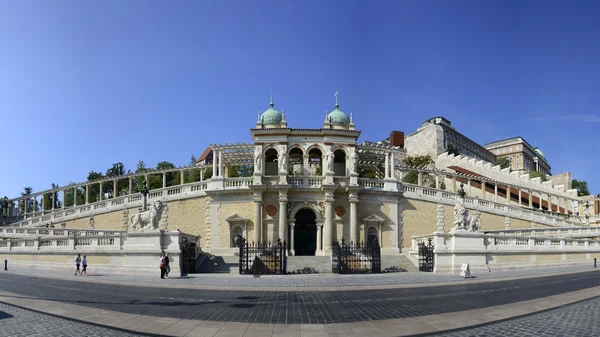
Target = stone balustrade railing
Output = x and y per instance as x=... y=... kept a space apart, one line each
x=198 y=188
x=554 y=232
x=96 y=242
x=449 y=198
x=540 y=244
x=20 y=232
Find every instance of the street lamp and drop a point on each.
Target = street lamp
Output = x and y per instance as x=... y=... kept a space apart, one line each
x=145 y=193
x=461 y=192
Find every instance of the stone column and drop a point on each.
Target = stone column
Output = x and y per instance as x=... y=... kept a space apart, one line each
x=214 y=164
x=164 y=180
x=130 y=186
x=44 y=203
x=392 y=166
x=495 y=192
x=437 y=182
x=74 y=196
x=53 y=196
x=469 y=187
x=387 y=168
x=540 y=201
x=319 y=237
x=87 y=194
x=420 y=178
x=182 y=177
x=353 y=218
x=453 y=184
x=565 y=208
x=257 y=221
x=482 y=189
x=221 y=163
x=507 y=195
x=291 y=246
x=201 y=174
x=100 y=199
x=282 y=215
x=115 y=188
x=305 y=166
x=530 y=198
x=328 y=237
x=64 y=199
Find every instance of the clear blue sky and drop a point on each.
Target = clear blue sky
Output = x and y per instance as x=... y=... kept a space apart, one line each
x=84 y=84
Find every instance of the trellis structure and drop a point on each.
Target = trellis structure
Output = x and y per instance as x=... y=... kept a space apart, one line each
x=234 y=153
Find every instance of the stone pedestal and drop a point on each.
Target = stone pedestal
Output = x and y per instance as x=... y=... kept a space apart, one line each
x=257 y=178
x=217 y=183
x=390 y=184
x=462 y=246
x=328 y=178
x=353 y=179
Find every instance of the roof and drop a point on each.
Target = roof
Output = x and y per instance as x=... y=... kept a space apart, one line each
x=204 y=154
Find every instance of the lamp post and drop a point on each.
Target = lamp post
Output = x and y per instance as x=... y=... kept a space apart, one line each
x=144 y=193
x=587 y=212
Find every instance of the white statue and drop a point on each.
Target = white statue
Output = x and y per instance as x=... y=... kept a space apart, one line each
x=354 y=162
x=283 y=162
x=330 y=158
x=575 y=206
x=147 y=219
x=461 y=215
x=258 y=160
x=475 y=224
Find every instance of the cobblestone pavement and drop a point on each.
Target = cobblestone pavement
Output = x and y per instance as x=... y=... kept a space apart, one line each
x=580 y=320
x=294 y=306
x=17 y=322
x=303 y=281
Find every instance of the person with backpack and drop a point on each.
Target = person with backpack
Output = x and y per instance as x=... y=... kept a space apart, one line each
x=77 y=263
x=167 y=267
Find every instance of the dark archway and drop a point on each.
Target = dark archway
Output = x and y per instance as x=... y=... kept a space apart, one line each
x=305 y=233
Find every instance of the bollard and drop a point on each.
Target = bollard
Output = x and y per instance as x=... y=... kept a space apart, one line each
x=6 y=264
x=595 y=263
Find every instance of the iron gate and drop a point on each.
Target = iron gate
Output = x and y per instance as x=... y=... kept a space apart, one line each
x=426 y=261
x=356 y=258
x=189 y=252
x=262 y=258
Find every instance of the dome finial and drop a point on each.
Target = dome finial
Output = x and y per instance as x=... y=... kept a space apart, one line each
x=271 y=104
x=336 y=99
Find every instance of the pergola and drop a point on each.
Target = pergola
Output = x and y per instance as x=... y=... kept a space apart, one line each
x=235 y=154
x=373 y=154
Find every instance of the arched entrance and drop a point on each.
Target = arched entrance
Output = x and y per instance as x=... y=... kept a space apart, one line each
x=305 y=233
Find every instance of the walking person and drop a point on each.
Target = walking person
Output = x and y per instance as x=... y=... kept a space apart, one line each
x=167 y=267
x=77 y=263
x=163 y=268
x=84 y=265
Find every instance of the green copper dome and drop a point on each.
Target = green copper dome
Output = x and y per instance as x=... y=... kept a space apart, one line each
x=539 y=152
x=337 y=116
x=271 y=116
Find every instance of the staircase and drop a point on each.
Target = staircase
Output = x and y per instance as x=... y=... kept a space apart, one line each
x=309 y=264
x=218 y=264
x=397 y=263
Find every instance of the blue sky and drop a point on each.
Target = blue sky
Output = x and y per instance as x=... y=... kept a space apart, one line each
x=85 y=84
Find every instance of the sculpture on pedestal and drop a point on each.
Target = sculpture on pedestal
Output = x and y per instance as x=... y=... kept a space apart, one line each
x=353 y=162
x=283 y=162
x=258 y=160
x=147 y=220
x=330 y=158
x=462 y=218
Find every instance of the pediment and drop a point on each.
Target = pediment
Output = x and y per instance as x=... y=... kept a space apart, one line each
x=236 y=218
x=373 y=218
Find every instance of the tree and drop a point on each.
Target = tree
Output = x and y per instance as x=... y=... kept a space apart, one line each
x=581 y=186
x=451 y=149
x=412 y=177
x=94 y=194
x=369 y=172
x=117 y=170
x=504 y=162
x=241 y=171
x=156 y=181
x=27 y=202
x=48 y=198
x=535 y=174
x=69 y=196
x=192 y=175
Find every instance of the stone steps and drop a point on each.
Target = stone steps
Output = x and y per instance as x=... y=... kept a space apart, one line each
x=309 y=264
x=397 y=263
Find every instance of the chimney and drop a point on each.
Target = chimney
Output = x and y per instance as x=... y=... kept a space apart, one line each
x=397 y=138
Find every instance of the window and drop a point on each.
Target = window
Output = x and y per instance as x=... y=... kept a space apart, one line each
x=510 y=149
x=517 y=148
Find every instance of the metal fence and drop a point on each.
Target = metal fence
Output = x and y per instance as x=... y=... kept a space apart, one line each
x=262 y=258
x=356 y=258
x=189 y=253
x=426 y=260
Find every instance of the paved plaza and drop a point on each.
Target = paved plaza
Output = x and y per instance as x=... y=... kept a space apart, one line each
x=385 y=305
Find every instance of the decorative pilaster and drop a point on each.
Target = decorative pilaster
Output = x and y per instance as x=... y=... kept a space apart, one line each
x=319 y=237
x=291 y=246
x=507 y=223
x=282 y=215
x=353 y=217
x=258 y=220
x=441 y=218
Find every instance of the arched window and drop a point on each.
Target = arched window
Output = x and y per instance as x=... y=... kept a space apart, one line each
x=296 y=159
x=271 y=162
x=339 y=163
x=315 y=167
